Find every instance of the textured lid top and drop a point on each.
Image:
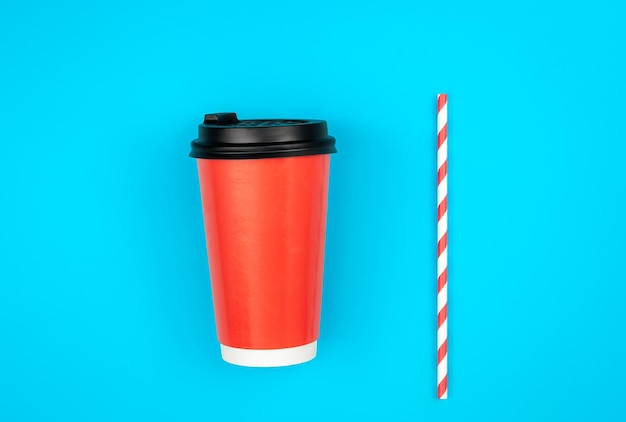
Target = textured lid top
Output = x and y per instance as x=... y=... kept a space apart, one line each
x=224 y=136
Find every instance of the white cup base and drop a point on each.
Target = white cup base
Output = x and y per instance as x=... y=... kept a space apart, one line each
x=269 y=357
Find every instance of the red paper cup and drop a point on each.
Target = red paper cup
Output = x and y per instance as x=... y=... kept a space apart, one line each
x=264 y=186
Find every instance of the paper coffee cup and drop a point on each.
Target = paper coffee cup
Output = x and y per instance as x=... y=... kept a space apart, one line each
x=264 y=187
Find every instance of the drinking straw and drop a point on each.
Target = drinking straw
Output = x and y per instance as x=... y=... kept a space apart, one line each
x=442 y=246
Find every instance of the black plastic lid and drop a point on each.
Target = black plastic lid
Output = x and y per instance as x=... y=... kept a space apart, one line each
x=223 y=136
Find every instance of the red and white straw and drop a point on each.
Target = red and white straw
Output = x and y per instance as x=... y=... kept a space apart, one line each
x=442 y=246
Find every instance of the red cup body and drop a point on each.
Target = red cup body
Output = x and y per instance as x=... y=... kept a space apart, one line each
x=265 y=222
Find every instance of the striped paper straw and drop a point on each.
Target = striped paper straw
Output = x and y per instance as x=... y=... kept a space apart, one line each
x=442 y=246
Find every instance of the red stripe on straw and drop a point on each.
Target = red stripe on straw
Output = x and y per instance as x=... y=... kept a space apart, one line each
x=442 y=208
x=443 y=170
x=442 y=99
x=442 y=280
x=442 y=243
x=442 y=136
x=442 y=316
x=442 y=387
x=443 y=351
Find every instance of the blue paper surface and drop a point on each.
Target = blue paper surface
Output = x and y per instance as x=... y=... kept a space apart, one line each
x=105 y=305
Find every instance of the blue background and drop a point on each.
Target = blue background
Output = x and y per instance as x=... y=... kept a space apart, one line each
x=105 y=306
